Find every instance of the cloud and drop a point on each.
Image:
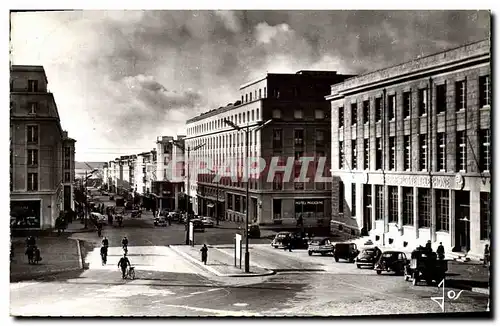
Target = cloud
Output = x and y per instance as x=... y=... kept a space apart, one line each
x=230 y=20
x=265 y=33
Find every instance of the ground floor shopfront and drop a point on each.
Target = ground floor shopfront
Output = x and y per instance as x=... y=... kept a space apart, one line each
x=407 y=210
x=36 y=210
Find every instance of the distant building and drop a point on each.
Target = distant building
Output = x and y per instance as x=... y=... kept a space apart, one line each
x=41 y=153
x=300 y=127
x=411 y=151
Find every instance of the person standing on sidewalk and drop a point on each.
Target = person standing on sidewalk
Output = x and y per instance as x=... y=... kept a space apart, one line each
x=440 y=251
x=486 y=258
x=204 y=254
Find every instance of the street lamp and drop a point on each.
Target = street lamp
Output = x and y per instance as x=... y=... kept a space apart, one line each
x=217 y=198
x=187 y=149
x=247 y=131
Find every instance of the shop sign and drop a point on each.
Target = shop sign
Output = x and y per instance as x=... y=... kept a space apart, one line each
x=309 y=202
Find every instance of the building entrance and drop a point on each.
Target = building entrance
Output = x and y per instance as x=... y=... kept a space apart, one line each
x=462 y=221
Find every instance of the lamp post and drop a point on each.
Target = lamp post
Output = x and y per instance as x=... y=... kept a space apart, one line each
x=247 y=131
x=187 y=149
x=217 y=199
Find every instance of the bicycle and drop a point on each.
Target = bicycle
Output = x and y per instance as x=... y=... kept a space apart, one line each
x=131 y=273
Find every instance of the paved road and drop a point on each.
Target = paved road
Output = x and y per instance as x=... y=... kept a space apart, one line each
x=169 y=285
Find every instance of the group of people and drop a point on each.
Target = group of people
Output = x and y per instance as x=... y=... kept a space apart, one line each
x=124 y=262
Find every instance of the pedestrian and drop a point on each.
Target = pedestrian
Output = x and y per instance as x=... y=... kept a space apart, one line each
x=104 y=255
x=428 y=246
x=440 y=251
x=204 y=254
x=486 y=258
x=123 y=263
x=105 y=242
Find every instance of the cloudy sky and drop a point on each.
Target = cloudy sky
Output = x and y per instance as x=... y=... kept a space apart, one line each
x=122 y=78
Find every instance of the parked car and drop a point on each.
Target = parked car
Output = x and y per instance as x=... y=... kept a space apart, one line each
x=160 y=221
x=98 y=218
x=322 y=246
x=298 y=242
x=347 y=251
x=392 y=261
x=278 y=239
x=368 y=257
x=254 y=231
x=198 y=225
x=208 y=222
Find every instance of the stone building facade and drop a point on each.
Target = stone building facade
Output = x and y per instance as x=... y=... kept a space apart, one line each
x=411 y=152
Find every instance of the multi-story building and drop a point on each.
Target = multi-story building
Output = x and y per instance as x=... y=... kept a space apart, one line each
x=106 y=176
x=169 y=182
x=42 y=155
x=145 y=172
x=411 y=151
x=300 y=127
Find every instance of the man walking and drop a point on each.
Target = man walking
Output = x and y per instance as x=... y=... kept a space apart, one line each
x=123 y=264
x=204 y=254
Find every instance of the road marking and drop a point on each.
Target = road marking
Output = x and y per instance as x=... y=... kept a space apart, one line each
x=368 y=290
x=240 y=304
x=216 y=311
x=199 y=292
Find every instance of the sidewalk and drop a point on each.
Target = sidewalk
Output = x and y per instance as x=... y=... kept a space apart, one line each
x=59 y=254
x=219 y=263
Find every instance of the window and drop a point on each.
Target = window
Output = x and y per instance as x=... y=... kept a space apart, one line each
x=379 y=202
x=242 y=99
x=442 y=210
x=341 y=117
x=393 y=204
x=392 y=153
x=341 y=197
x=278 y=181
x=366 y=111
x=441 y=98
x=378 y=158
x=276 y=209
x=320 y=137
x=484 y=91
x=354 y=154
x=407 y=153
x=354 y=113
x=441 y=139
x=32 y=157
x=253 y=115
x=276 y=114
x=277 y=139
x=250 y=97
x=246 y=97
x=260 y=93
x=353 y=200
x=391 y=101
x=485 y=215
x=298 y=114
x=407 y=104
x=423 y=152
x=422 y=102
x=32 y=181
x=67 y=177
x=460 y=95
x=407 y=206
x=341 y=154
x=378 y=109
x=230 y=201
x=424 y=208
x=299 y=137
x=319 y=114
x=32 y=85
x=461 y=151
x=67 y=164
x=265 y=91
x=298 y=185
x=33 y=106
x=485 y=156
x=366 y=158
x=67 y=151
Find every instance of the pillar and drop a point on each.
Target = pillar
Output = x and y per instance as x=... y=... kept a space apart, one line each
x=432 y=230
x=474 y=217
x=176 y=194
x=400 y=210
x=415 y=211
x=374 y=200
x=452 y=218
x=386 y=208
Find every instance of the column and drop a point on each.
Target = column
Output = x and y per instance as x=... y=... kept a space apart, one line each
x=433 y=216
x=415 y=211
x=386 y=209
x=374 y=201
x=400 y=210
x=474 y=217
x=452 y=218
x=176 y=200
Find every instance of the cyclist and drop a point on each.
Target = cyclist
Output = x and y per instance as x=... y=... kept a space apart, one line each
x=104 y=254
x=123 y=263
x=125 y=244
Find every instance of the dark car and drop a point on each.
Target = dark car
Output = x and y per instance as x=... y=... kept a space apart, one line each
x=297 y=241
x=198 y=225
x=368 y=257
x=320 y=245
x=347 y=251
x=254 y=231
x=278 y=239
x=392 y=261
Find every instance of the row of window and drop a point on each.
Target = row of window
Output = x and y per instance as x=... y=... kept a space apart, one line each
x=32 y=85
x=299 y=136
x=32 y=180
x=319 y=114
x=483 y=158
x=249 y=116
x=442 y=102
x=249 y=97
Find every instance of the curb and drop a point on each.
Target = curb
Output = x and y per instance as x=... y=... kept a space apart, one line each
x=212 y=270
x=481 y=290
x=227 y=253
x=33 y=276
x=79 y=251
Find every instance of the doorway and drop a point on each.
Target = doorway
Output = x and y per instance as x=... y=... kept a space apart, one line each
x=462 y=221
x=367 y=210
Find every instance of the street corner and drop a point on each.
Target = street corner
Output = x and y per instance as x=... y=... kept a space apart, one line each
x=219 y=263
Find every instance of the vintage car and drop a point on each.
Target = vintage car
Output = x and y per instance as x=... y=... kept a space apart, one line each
x=254 y=231
x=208 y=222
x=198 y=225
x=392 y=261
x=160 y=221
x=98 y=218
x=368 y=257
x=424 y=265
x=322 y=246
x=347 y=251
x=297 y=241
